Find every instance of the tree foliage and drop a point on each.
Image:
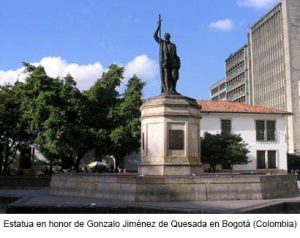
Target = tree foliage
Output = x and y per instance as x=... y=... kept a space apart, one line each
x=114 y=117
x=66 y=123
x=293 y=161
x=125 y=136
x=41 y=103
x=12 y=128
x=102 y=98
x=56 y=113
x=78 y=136
x=224 y=149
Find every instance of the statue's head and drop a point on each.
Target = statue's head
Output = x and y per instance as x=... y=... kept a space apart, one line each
x=167 y=36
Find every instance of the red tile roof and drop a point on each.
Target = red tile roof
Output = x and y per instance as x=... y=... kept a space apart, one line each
x=236 y=107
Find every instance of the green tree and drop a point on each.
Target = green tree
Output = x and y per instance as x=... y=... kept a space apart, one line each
x=114 y=118
x=293 y=161
x=66 y=123
x=57 y=115
x=41 y=104
x=78 y=136
x=102 y=97
x=12 y=128
x=125 y=137
x=224 y=149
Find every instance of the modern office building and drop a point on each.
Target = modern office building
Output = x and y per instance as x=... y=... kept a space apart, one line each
x=218 y=90
x=274 y=46
x=268 y=76
x=272 y=63
x=237 y=85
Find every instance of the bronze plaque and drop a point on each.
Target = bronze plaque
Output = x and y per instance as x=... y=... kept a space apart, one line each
x=176 y=139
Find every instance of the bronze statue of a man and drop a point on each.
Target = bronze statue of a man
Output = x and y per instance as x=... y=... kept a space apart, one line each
x=169 y=62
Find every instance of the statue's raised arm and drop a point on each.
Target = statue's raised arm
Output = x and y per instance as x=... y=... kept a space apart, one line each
x=156 y=33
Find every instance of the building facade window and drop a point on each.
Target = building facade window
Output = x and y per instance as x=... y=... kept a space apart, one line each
x=226 y=127
x=260 y=158
x=265 y=130
x=260 y=130
x=270 y=130
x=272 y=159
x=216 y=98
x=266 y=159
x=214 y=91
x=223 y=95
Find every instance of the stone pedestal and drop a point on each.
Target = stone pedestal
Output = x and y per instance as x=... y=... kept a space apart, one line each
x=205 y=187
x=170 y=138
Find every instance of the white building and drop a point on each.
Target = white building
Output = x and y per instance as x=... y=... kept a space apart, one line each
x=261 y=128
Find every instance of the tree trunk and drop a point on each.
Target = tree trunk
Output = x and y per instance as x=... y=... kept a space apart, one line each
x=51 y=166
x=77 y=162
x=80 y=155
x=1 y=160
x=213 y=168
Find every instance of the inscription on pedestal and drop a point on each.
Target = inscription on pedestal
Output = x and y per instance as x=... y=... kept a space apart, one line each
x=176 y=139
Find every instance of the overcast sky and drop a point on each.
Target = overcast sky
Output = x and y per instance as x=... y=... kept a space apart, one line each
x=83 y=37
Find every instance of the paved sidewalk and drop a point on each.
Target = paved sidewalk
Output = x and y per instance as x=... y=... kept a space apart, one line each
x=40 y=199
